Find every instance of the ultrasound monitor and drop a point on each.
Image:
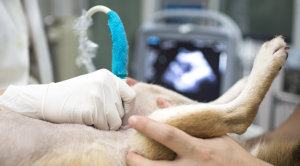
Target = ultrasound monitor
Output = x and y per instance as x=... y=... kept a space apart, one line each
x=188 y=67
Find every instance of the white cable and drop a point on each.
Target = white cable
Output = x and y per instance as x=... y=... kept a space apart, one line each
x=95 y=9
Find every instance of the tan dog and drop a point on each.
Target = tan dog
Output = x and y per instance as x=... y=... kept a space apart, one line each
x=27 y=141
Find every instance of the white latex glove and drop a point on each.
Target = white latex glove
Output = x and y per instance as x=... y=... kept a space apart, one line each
x=91 y=99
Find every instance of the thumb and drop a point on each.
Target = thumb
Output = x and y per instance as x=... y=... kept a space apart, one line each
x=127 y=95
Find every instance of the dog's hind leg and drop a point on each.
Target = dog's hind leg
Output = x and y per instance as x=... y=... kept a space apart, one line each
x=209 y=120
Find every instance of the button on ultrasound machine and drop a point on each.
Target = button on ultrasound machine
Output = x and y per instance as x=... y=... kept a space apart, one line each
x=193 y=52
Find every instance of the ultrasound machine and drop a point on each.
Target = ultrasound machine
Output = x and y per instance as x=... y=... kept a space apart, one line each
x=193 y=52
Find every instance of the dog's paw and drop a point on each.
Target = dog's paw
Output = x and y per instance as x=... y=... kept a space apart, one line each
x=272 y=56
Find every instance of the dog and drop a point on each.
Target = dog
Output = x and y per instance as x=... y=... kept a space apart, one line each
x=27 y=141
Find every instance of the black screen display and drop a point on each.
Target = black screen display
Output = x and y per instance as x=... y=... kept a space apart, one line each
x=192 y=68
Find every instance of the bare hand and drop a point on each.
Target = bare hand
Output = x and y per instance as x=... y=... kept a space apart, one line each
x=190 y=150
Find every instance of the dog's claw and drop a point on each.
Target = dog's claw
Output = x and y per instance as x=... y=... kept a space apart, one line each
x=287 y=55
x=280 y=68
x=287 y=48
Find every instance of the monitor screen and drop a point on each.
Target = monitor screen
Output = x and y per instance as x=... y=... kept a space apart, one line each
x=192 y=68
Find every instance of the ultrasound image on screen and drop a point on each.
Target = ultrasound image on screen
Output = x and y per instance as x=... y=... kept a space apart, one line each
x=193 y=68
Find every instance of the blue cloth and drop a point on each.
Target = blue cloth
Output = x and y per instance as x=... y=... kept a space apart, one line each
x=120 y=45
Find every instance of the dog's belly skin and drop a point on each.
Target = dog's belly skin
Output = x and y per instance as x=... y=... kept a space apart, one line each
x=26 y=141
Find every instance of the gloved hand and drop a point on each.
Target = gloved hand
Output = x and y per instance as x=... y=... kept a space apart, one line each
x=91 y=99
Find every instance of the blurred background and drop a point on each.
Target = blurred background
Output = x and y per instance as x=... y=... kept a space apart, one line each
x=224 y=35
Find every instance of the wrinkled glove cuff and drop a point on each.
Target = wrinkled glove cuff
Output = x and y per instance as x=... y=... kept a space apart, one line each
x=25 y=100
x=6 y=97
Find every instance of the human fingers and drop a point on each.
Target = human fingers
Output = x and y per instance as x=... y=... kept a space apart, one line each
x=134 y=159
x=131 y=81
x=109 y=94
x=171 y=137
